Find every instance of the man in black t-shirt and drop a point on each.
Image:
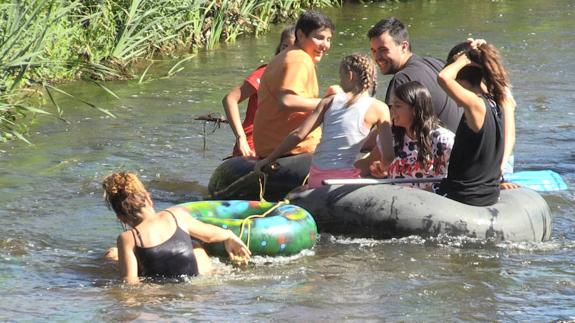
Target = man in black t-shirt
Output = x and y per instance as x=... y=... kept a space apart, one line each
x=391 y=51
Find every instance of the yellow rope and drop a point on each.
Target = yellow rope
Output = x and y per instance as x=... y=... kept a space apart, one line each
x=305 y=179
x=263 y=215
x=262 y=183
x=262 y=180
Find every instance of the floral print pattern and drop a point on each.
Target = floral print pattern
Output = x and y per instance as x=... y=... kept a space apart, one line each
x=405 y=164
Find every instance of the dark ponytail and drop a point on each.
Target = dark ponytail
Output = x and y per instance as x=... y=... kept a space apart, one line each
x=491 y=70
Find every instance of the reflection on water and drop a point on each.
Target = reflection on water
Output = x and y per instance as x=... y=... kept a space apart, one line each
x=54 y=227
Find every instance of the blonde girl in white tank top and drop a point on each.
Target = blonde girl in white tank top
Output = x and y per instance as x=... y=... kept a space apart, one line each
x=347 y=118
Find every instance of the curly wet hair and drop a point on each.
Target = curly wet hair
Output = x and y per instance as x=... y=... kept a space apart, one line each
x=124 y=193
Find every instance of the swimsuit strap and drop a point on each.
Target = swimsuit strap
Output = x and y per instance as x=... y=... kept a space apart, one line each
x=139 y=236
x=173 y=216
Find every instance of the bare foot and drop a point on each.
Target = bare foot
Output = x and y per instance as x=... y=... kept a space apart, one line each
x=508 y=186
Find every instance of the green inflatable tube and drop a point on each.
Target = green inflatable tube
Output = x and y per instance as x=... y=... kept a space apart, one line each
x=285 y=230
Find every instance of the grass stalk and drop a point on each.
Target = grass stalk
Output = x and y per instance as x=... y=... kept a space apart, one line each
x=46 y=40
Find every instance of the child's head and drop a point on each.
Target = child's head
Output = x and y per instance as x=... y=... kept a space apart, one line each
x=357 y=74
x=412 y=109
x=417 y=97
x=312 y=20
x=287 y=38
x=125 y=195
x=313 y=32
x=490 y=69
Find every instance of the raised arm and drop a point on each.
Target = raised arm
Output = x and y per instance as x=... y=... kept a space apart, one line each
x=297 y=135
x=230 y=103
x=474 y=108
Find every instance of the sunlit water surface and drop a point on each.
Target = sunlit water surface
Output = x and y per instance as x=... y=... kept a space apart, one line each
x=54 y=226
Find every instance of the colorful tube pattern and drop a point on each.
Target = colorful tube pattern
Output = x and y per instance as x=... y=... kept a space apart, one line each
x=286 y=230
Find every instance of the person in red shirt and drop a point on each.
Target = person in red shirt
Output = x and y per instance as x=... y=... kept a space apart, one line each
x=249 y=90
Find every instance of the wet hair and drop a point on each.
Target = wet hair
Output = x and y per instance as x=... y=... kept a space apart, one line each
x=491 y=70
x=313 y=20
x=364 y=73
x=396 y=29
x=289 y=31
x=424 y=121
x=124 y=194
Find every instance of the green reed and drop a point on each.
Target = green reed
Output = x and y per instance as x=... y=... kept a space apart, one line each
x=21 y=40
x=47 y=41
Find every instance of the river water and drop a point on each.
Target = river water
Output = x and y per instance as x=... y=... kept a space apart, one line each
x=54 y=226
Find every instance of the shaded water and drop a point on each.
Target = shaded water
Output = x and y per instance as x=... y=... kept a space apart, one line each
x=54 y=226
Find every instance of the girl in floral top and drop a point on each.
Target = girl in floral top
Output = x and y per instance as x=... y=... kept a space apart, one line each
x=422 y=147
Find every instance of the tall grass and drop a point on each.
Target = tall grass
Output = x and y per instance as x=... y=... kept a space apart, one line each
x=42 y=41
x=25 y=59
x=21 y=39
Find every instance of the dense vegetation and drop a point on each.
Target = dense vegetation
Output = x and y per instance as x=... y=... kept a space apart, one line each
x=46 y=41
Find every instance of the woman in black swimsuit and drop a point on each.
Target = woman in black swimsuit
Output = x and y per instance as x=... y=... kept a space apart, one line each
x=159 y=244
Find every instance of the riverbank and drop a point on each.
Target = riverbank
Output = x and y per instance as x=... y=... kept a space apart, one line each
x=47 y=41
x=54 y=226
